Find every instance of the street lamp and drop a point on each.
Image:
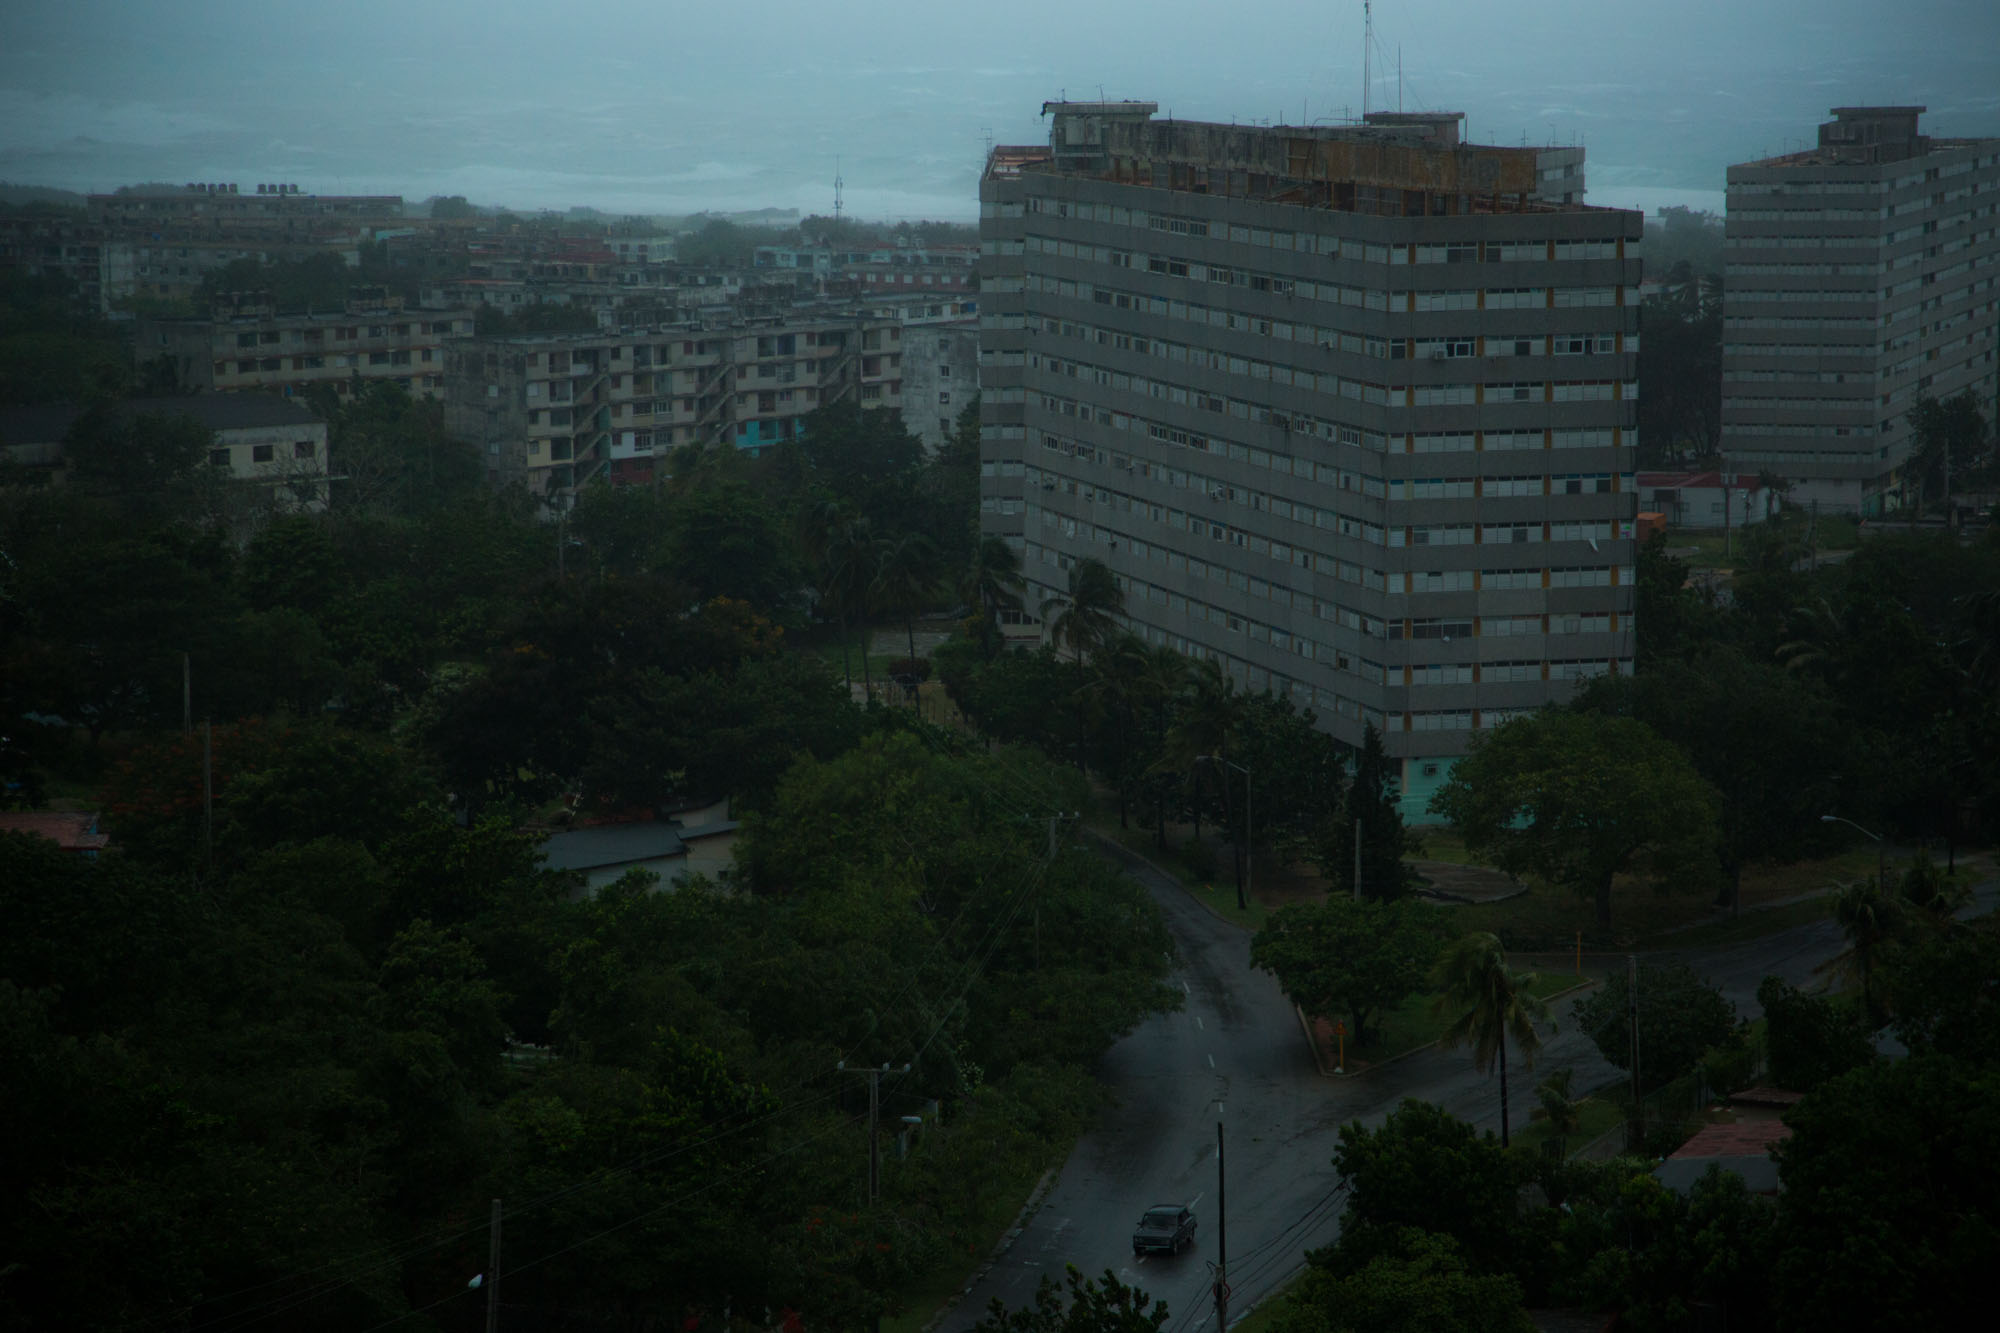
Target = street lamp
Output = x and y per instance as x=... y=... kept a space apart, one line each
x=1249 y=860
x=1881 y=851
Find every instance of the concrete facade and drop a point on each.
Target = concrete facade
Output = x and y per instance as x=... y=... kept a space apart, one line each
x=554 y=412
x=274 y=450
x=1862 y=274
x=1348 y=411
x=940 y=378
x=247 y=345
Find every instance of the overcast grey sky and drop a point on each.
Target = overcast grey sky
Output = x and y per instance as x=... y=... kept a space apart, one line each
x=664 y=105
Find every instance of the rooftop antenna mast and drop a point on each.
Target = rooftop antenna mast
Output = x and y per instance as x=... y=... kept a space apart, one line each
x=1367 y=49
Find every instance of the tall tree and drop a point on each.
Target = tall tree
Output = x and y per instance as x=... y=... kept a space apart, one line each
x=1371 y=805
x=1680 y=1018
x=1488 y=1003
x=1342 y=957
x=1888 y=1215
x=1103 y=1305
x=1083 y=620
x=907 y=579
x=1577 y=799
x=1947 y=438
x=992 y=582
x=1756 y=733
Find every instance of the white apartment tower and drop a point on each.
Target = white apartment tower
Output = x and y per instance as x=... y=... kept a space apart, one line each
x=1862 y=274
x=1347 y=410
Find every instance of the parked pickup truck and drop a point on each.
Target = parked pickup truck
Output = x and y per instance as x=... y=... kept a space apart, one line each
x=1167 y=1228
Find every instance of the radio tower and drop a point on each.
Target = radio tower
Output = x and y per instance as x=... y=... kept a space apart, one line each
x=836 y=194
x=1367 y=48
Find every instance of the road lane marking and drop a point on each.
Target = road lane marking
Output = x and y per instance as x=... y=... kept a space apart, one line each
x=1211 y=1062
x=1198 y=1023
x=1185 y=990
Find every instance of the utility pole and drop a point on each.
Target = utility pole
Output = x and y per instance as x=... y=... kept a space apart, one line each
x=874 y=1076
x=493 y=1271
x=1632 y=1017
x=1221 y=1237
x=1357 y=860
x=207 y=795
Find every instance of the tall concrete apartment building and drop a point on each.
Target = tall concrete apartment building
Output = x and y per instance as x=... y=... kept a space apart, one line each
x=1862 y=274
x=1347 y=410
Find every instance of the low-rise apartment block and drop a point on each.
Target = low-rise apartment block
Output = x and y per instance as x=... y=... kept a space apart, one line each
x=555 y=412
x=246 y=344
x=273 y=449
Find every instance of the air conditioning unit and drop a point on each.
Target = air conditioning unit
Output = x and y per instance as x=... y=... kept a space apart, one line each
x=1437 y=353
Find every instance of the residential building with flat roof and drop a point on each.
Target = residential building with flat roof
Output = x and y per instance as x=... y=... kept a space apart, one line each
x=554 y=412
x=246 y=344
x=1348 y=410
x=274 y=449
x=1861 y=275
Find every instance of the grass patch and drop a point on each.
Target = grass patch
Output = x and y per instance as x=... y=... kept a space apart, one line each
x=824 y=643
x=1755 y=925
x=1441 y=844
x=1700 y=548
x=1548 y=919
x=1597 y=1116
x=935 y=1290
x=1836 y=532
x=1216 y=892
x=1265 y=1312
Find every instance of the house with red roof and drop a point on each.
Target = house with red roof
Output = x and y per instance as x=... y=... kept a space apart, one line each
x=73 y=831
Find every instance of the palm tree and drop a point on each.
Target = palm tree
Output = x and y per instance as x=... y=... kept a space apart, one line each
x=1563 y=1114
x=906 y=578
x=1488 y=1003
x=1208 y=723
x=1870 y=917
x=1163 y=684
x=851 y=553
x=1083 y=620
x=1117 y=687
x=993 y=583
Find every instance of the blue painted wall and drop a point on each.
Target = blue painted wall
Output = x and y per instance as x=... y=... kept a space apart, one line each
x=1417 y=789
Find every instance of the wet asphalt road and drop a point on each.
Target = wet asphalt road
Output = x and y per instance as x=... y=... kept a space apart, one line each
x=1235 y=1052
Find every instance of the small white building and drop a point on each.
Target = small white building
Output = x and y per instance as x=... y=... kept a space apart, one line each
x=1707 y=499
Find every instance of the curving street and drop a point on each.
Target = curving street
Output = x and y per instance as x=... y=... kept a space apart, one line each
x=1236 y=1050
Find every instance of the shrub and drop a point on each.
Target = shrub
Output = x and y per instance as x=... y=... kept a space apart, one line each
x=1199 y=858
x=1811 y=1038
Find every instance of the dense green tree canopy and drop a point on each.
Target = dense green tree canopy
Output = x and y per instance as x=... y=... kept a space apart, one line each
x=1342 y=957
x=1576 y=799
x=1680 y=1017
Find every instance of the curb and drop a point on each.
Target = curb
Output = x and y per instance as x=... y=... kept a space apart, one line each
x=1110 y=844
x=1000 y=1248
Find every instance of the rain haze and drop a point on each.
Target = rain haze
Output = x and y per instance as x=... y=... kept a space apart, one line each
x=637 y=106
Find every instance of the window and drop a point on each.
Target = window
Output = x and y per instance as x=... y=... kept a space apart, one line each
x=262 y=453
x=302 y=449
x=218 y=458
